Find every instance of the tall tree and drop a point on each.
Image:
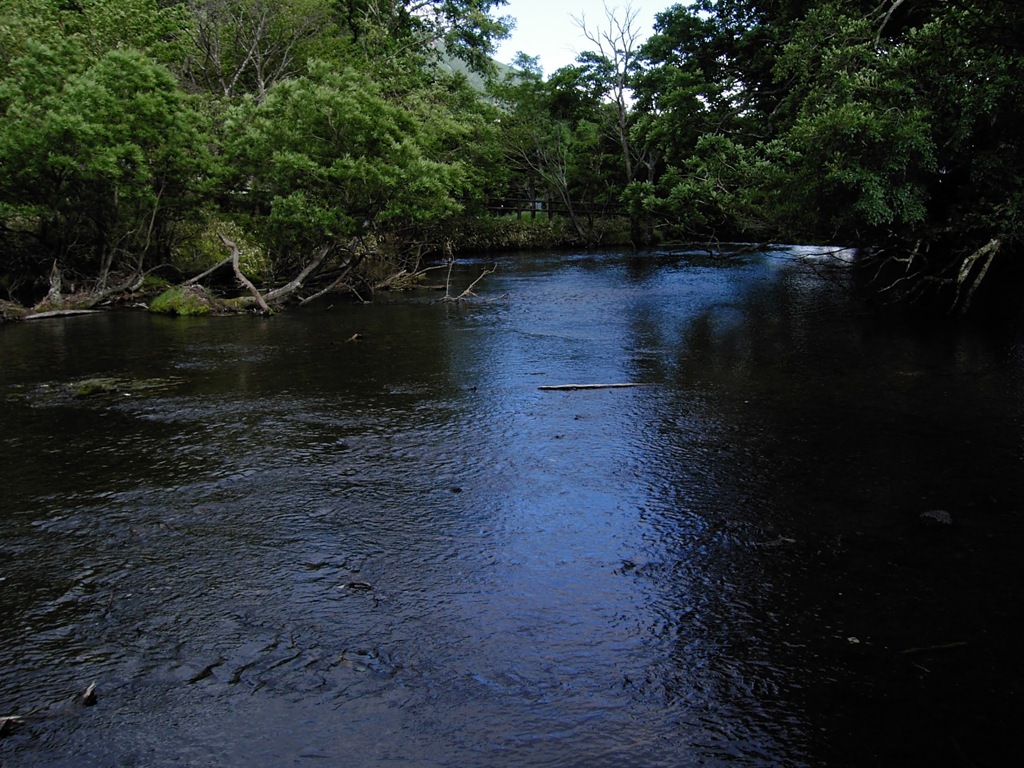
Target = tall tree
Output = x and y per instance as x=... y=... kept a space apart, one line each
x=908 y=138
x=100 y=150
x=612 y=66
x=552 y=139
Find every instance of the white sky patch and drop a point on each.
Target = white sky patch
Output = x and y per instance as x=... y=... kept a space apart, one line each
x=545 y=28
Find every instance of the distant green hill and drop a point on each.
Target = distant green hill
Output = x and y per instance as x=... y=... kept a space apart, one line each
x=452 y=64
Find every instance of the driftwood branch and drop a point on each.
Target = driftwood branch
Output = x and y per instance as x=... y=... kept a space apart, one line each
x=241 y=277
x=346 y=269
x=572 y=387
x=468 y=293
x=988 y=253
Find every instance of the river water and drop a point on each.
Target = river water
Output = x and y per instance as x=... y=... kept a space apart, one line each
x=268 y=544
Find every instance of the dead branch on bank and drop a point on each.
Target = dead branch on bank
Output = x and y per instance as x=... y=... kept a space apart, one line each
x=222 y=263
x=288 y=289
x=277 y=294
x=56 y=301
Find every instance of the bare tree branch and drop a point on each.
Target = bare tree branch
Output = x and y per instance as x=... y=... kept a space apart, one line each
x=618 y=43
x=242 y=278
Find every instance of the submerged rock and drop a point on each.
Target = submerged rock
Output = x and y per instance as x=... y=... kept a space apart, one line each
x=9 y=311
x=101 y=389
x=935 y=517
x=9 y=723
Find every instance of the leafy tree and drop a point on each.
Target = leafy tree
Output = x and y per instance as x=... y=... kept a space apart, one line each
x=908 y=137
x=894 y=126
x=393 y=30
x=97 y=164
x=552 y=141
x=707 y=68
x=861 y=141
x=329 y=166
x=704 y=95
x=89 y=28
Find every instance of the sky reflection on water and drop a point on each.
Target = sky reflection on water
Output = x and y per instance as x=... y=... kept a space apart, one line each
x=400 y=550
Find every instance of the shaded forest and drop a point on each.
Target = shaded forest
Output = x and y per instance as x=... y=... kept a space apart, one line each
x=277 y=151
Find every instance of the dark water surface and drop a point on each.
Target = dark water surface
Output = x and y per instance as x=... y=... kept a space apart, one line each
x=269 y=546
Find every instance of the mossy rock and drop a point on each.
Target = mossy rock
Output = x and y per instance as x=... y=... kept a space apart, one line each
x=90 y=387
x=184 y=301
x=98 y=390
x=9 y=311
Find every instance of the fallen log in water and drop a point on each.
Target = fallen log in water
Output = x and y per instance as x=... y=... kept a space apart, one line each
x=59 y=313
x=571 y=387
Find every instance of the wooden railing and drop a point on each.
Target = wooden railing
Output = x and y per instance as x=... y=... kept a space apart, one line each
x=550 y=209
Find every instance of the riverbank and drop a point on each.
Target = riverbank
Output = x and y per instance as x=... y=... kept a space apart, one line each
x=215 y=288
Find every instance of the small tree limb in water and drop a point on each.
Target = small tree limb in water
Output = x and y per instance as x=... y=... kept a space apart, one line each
x=931 y=648
x=466 y=294
x=571 y=387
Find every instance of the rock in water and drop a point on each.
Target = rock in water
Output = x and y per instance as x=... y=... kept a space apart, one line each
x=88 y=697
x=9 y=723
x=936 y=517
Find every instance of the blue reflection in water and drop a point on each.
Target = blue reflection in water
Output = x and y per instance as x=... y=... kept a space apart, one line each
x=293 y=547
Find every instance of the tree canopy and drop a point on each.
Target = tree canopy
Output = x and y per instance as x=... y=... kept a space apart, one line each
x=327 y=136
x=892 y=126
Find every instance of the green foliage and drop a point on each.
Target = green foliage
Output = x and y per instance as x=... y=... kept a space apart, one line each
x=328 y=158
x=557 y=143
x=894 y=126
x=387 y=30
x=202 y=247
x=153 y=284
x=108 y=166
x=87 y=29
x=505 y=233
x=134 y=132
x=96 y=161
